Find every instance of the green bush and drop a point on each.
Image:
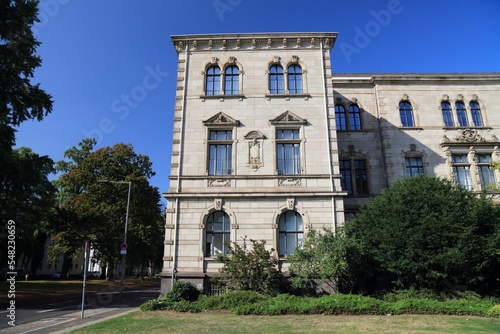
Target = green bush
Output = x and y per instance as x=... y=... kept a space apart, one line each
x=230 y=300
x=494 y=311
x=182 y=290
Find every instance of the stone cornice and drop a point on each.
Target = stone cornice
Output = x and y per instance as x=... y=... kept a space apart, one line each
x=372 y=78
x=257 y=41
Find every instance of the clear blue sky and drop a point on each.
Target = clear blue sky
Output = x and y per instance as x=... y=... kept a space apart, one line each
x=96 y=53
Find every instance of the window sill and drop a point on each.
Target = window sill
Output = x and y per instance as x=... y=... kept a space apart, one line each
x=222 y=97
x=417 y=128
x=288 y=96
x=467 y=127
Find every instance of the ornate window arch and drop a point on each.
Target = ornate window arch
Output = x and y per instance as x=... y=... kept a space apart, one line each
x=446 y=111
x=476 y=111
x=291 y=223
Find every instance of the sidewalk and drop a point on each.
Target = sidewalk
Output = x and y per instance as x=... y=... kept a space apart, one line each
x=71 y=321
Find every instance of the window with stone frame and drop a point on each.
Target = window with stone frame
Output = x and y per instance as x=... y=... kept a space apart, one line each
x=294 y=75
x=354 y=172
x=290 y=232
x=217 y=233
x=487 y=177
x=447 y=114
x=414 y=166
x=212 y=80
x=469 y=156
x=406 y=113
x=288 y=151
x=475 y=110
x=461 y=170
x=348 y=119
x=220 y=151
x=231 y=80
x=461 y=113
x=276 y=79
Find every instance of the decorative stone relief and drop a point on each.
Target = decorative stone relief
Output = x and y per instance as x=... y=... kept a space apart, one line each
x=231 y=60
x=221 y=119
x=289 y=183
x=255 y=140
x=219 y=183
x=469 y=136
x=218 y=203
x=290 y=203
x=288 y=118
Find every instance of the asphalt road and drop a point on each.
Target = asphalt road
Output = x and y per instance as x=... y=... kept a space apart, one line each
x=62 y=314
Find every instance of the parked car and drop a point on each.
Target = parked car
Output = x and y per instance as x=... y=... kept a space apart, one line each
x=57 y=275
x=96 y=274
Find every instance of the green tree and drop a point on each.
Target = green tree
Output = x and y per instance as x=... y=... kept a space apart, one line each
x=93 y=211
x=254 y=269
x=431 y=234
x=20 y=100
x=325 y=261
x=29 y=203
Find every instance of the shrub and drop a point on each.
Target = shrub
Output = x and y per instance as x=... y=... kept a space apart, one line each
x=230 y=300
x=494 y=311
x=182 y=290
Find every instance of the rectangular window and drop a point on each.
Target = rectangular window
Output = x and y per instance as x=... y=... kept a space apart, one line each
x=354 y=177
x=461 y=170
x=414 y=166
x=486 y=172
x=288 y=151
x=220 y=152
x=345 y=172
x=361 y=177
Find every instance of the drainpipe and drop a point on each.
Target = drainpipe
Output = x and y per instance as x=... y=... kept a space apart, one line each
x=328 y=144
x=181 y=144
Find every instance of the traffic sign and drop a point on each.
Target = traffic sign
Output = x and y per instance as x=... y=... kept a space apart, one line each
x=123 y=246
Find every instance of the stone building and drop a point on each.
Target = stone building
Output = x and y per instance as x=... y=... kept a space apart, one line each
x=268 y=143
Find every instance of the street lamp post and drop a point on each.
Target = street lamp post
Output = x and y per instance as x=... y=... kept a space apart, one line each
x=124 y=252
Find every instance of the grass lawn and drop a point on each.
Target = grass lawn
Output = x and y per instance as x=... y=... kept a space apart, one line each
x=217 y=322
x=45 y=289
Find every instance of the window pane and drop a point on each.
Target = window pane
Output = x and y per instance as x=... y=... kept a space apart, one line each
x=217 y=231
x=295 y=79
x=461 y=114
x=276 y=82
x=354 y=117
x=414 y=166
x=361 y=177
x=231 y=80
x=475 y=111
x=462 y=176
x=340 y=117
x=406 y=113
x=290 y=232
x=345 y=172
x=447 y=117
x=288 y=158
x=212 y=86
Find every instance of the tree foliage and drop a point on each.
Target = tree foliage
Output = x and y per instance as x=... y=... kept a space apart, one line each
x=93 y=211
x=20 y=99
x=29 y=201
x=431 y=234
x=325 y=261
x=254 y=269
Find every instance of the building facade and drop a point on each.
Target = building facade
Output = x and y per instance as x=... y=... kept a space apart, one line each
x=268 y=143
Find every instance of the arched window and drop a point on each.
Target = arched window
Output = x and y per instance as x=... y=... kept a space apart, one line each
x=217 y=233
x=212 y=85
x=447 y=116
x=406 y=113
x=340 y=117
x=461 y=114
x=231 y=79
x=354 y=117
x=294 y=79
x=291 y=232
x=475 y=111
x=276 y=80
